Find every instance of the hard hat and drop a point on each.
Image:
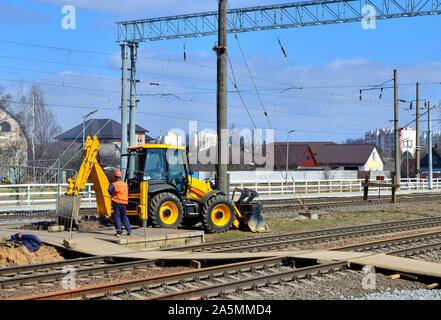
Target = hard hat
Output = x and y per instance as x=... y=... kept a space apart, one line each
x=118 y=174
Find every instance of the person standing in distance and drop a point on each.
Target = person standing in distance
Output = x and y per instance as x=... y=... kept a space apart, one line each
x=119 y=190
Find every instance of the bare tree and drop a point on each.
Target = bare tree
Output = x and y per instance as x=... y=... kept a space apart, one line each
x=38 y=121
x=5 y=99
x=354 y=141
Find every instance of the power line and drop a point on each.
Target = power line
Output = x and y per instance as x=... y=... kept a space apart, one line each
x=58 y=85
x=185 y=62
x=179 y=118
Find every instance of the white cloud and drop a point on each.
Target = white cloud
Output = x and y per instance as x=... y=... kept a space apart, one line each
x=331 y=106
x=341 y=63
x=20 y=15
x=155 y=8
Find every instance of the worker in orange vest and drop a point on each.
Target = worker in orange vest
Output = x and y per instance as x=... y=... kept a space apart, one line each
x=119 y=190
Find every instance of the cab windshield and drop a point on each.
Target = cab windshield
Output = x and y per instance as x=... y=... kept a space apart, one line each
x=155 y=164
x=177 y=173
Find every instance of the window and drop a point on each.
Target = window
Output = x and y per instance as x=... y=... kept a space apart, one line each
x=155 y=165
x=176 y=168
x=5 y=130
x=5 y=127
x=308 y=157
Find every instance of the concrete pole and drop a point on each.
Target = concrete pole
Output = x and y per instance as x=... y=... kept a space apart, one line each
x=417 y=144
x=222 y=145
x=397 y=131
x=287 y=152
x=287 y=155
x=132 y=123
x=429 y=132
x=84 y=134
x=124 y=58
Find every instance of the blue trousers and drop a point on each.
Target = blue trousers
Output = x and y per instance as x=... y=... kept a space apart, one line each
x=119 y=214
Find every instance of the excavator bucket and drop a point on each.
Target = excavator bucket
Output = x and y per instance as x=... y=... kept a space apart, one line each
x=256 y=223
x=250 y=212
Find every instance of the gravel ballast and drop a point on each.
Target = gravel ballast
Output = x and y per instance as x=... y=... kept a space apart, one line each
x=404 y=295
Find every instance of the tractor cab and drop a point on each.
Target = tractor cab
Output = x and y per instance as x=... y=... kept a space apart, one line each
x=158 y=164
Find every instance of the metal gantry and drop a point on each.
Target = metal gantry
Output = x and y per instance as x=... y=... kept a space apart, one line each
x=282 y=16
x=290 y=15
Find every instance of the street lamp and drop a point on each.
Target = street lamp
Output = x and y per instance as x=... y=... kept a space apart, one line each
x=84 y=120
x=287 y=154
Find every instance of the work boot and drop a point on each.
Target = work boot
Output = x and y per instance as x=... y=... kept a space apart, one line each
x=129 y=234
x=117 y=235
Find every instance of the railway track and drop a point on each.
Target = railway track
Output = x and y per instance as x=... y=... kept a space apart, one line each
x=14 y=277
x=275 y=242
x=288 y=205
x=237 y=278
x=269 y=207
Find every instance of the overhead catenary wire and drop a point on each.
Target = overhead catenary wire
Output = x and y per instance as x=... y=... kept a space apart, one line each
x=299 y=198
x=173 y=60
x=234 y=82
x=161 y=115
x=66 y=149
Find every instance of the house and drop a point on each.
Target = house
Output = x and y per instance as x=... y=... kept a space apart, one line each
x=296 y=155
x=14 y=141
x=315 y=146
x=436 y=162
x=108 y=132
x=362 y=157
x=14 y=144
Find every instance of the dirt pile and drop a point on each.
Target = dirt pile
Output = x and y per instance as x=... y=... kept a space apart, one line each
x=14 y=253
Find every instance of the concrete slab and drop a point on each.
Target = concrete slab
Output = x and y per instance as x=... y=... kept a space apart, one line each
x=382 y=261
x=331 y=255
x=103 y=241
x=405 y=265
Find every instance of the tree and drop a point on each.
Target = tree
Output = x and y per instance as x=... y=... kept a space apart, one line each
x=5 y=99
x=38 y=121
x=354 y=141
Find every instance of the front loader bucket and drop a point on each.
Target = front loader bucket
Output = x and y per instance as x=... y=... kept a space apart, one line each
x=256 y=223
x=250 y=211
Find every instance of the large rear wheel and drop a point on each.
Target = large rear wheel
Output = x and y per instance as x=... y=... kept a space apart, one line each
x=165 y=210
x=218 y=214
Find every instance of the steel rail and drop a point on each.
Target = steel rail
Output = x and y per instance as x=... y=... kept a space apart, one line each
x=144 y=285
x=396 y=241
x=313 y=236
x=239 y=286
x=157 y=281
x=7 y=272
x=291 y=204
x=12 y=276
x=223 y=289
x=88 y=271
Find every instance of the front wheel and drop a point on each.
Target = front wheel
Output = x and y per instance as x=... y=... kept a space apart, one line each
x=218 y=214
x=165 y=211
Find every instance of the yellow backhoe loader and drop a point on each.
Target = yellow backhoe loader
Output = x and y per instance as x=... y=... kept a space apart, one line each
x=162 y=191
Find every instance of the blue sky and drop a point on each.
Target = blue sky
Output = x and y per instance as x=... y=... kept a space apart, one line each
x=331 y=62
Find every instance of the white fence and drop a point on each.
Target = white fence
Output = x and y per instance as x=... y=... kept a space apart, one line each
x=44 y=194
x=278 y=187
x=39 y=195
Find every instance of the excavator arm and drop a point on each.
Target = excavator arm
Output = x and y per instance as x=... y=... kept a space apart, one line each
x=91 y=167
